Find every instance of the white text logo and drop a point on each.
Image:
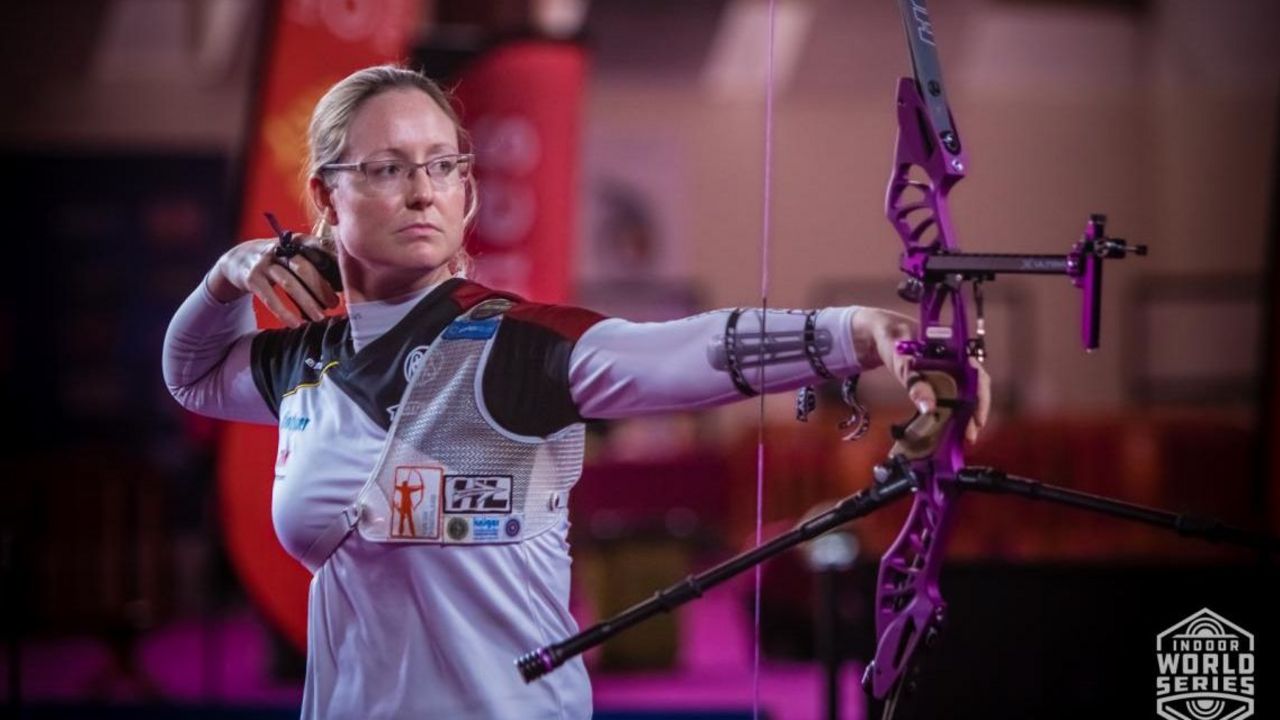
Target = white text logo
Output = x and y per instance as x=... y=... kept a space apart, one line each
x=1204 y=669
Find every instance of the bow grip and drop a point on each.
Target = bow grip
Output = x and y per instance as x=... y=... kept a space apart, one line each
x=919 y=437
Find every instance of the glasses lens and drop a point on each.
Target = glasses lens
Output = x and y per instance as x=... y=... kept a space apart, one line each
x=448 y=170
x=390 y=175
x=385 y=174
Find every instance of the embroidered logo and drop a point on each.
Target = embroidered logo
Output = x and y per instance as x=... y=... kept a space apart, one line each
x=477 y=493
x=457 y=528
x=413 y=361
x=490 y=308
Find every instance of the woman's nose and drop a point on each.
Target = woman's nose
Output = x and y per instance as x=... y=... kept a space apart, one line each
x=421 y=190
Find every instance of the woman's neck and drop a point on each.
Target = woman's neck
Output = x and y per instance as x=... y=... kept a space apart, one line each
x=371 y=319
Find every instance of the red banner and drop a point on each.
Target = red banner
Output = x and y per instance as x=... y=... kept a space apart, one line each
x=311 y=45
x=522 y=103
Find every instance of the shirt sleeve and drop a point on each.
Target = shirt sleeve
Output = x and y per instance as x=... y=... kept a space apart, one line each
x=622 y=369
x=526 y=375
x=206 y=358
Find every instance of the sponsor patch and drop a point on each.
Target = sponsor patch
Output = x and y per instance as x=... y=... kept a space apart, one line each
x=512 y=527
x=490 y=308
x=471 y=329
x=476 y=494
x=413 y=361
x=415 y=502
x=458 y=528
x=485 y=528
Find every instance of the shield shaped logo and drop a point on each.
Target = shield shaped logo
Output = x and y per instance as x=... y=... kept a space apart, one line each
x=1204 y=669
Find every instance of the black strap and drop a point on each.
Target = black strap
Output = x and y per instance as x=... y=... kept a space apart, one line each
x=731 y=355
x=811 y=345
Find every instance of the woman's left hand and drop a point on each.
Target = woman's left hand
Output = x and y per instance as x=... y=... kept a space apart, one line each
x=876 y=334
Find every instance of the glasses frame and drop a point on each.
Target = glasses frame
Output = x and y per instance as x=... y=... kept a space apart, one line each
x=439 y=183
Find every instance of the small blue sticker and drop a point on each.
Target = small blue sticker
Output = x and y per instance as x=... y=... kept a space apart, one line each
x=471 y=329
x=484 y=528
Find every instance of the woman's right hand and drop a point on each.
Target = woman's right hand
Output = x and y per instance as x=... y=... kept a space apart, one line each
x=253 y=267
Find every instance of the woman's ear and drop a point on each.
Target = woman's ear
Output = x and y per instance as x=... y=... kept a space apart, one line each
x=322 y=199
x=472 y=203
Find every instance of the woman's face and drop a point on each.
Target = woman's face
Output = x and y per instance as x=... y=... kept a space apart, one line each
x=400 y=239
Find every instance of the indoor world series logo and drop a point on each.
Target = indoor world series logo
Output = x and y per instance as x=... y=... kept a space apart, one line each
x=1204 y=669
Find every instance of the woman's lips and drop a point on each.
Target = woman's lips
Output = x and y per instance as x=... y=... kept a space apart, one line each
x=419 y=228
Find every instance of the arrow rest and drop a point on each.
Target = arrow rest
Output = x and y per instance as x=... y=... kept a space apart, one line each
x=977 y=348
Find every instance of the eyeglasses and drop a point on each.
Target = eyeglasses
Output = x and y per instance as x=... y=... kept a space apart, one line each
x=391 y=175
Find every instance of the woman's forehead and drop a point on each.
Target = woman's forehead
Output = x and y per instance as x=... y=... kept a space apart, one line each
x=403 y=120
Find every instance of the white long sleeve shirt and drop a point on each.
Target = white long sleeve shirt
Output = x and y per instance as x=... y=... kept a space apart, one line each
x=422 y=631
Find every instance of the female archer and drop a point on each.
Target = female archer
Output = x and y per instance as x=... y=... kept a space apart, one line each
x=458 y=403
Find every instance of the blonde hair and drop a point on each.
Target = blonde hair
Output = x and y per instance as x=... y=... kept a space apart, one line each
x=327 y=133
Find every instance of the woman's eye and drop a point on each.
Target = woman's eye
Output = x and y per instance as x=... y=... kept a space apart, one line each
x=443 y=167
x=386 y=170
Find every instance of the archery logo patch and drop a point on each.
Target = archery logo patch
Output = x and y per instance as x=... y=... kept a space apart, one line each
x=415 y=502
x=1204 y=669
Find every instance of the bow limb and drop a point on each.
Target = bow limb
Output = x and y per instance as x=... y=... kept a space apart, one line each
x=928 y=162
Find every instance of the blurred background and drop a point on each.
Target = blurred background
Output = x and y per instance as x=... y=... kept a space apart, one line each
x=621 y=147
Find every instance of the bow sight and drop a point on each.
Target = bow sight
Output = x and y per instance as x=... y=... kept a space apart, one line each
x=1083 y=265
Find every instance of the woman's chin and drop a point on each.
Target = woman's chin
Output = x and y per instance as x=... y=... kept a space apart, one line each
x=421 y=261
x=409 y=264
x=422 y=255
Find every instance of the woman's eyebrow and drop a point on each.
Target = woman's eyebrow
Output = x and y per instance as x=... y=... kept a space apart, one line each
x=432 y=149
